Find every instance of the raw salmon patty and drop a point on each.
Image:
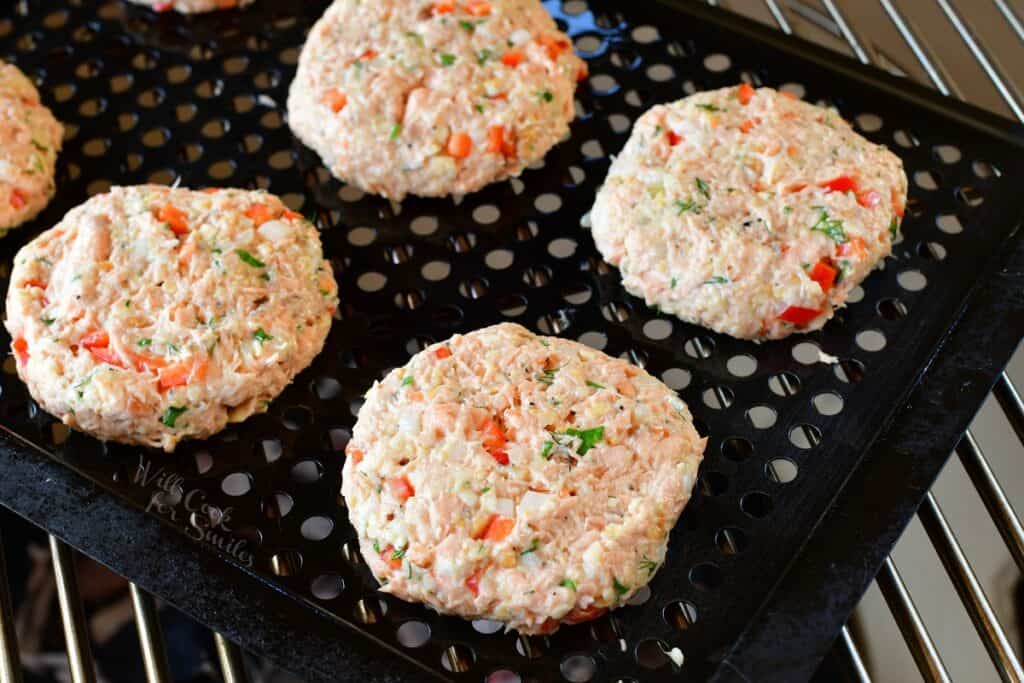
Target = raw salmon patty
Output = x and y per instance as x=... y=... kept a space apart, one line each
x=192 y=6
x=748 y=211
x=433 y=98
x=30 y=138
x=149 y=314
x=529 y=480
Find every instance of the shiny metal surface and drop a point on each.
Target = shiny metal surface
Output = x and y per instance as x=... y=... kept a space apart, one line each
x=72 y=613
x=231 y=663
x=10 y=665
x=922 y=647
x=151 y=637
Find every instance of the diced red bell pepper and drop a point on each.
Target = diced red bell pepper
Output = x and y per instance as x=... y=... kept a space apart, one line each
x=843 y=183
x=799 y=316
x=20 y=347
x=95 y=340
x=401 y=488
x=443 y=353
x=854 y=248
x=473 y=582
x=500 y=456
x=824 y=274
x=388 y=555
x=494 y=437
x=499 y=528
x=674 y=138
x=745 y=93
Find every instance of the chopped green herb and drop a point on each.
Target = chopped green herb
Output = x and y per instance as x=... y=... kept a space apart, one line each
x=486 y=489
x=467 y=25
x=568 y=583
x=216 y=250
x=595 y=385
x=80 y=387
x=447 y=59
x=716 y=280
x=787 y=209
x=708 y=107
x=415 y=36
x=249 y=259
x=620 y=589
x=172 y=415
x=324 y=292
x=479 y=107
x=547 y=377
x=410 y=569
x=546 y=96
x=648 y=565
x=40 y=146
x=128 y=303
x=261 y=336
x=483 y=56
x=399 y=554
x=407 y=381
x=544 y=342
x=674 y=282
x=832 y=228
x=49 y=321
x=376 y=547
x=683 y=207
x=546 y=451
x=657 y=130
x=396 y=130
x=588 y=438
x=894 y=227
x=702 y=187
x=145 y=342
x=844 y=266
x=533 y=547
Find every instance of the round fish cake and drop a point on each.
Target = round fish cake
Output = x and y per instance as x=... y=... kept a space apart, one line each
x=524 y=479
x=433 y=98
x=192 y=6
x=30 y=138
x=149 y=314
x=748 y=211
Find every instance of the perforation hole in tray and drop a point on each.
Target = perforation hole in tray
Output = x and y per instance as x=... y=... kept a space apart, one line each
x=209 y=110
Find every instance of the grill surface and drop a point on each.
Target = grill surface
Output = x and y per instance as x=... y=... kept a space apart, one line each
x=200 y=101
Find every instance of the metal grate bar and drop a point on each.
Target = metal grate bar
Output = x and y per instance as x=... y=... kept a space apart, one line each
x=982 y=58
x=1011 y=18
x=915 y=46
x=970 y=591
x=10 y=664
x=779 y=17
x=914 y=631
x=993 y=496
x=151 y=637
x=846 y=31
x=1010 y=402
x=849 y=648
x=76 y=631
x=231 y=663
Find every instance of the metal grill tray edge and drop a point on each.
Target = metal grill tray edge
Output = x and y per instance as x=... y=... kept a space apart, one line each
x=812 y=469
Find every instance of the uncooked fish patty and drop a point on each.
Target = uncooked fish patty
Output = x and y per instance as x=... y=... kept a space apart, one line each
x=525 y=479
x=30 y=138
x=433 y=98
x=748 y=211
x=149 y=314
x=192 y=6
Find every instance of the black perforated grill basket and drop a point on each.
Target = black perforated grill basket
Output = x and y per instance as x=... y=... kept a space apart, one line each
x=248 y=531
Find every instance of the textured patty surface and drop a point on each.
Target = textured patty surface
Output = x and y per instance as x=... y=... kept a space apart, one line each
x=431 y=97
x=30 y=138
x=150 y=314
x=525 y=479
x=192 y=6
x=747 y=211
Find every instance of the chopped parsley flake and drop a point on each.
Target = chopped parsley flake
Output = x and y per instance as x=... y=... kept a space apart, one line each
x=396 y=130
x=546 y=451
x=568 y=583
x=249 y=259
x=467 y=25
x=399 y=554
x=702 y=187
x=486 y=489
x=588 y=438
x=894 y=227
x=533 y=547
x=544 y=342
x=407 y=381
x=620 y=589
x=49 y=321
x=547 y=377
x=708 y=107
x=673 y=282
x=145 y=342
x=830 y=227
x=128 y=303
x=648 y=565
x=261 y=336
x=40 y=146
x=479 y=107
x=415 y=36
x=683 y=207
x=546 y=96
x=172 y=415
x=595 y=385
x=376 y=547
x=716 y=280
x=483 y=56
x=447 y=59
x=787 y=209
